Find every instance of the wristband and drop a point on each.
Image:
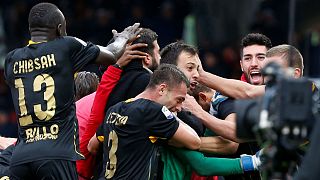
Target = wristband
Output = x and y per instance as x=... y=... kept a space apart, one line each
x=117 y=66
x=247 y=163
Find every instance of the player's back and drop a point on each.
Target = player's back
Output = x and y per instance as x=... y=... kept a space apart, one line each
x=128 y=148
x=40 y=76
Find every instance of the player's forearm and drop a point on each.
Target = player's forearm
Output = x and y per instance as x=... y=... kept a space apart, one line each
x=230 y=87
x=108 y=82
x=111 y=53
x=93 y=145
x=222 y=128
x=218 y=145
x=185 y=136
x=208 y=166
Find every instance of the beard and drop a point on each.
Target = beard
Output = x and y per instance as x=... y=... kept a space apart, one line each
x=154 y=64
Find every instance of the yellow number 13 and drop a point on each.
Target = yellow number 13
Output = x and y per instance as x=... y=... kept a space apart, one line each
x=46 y=115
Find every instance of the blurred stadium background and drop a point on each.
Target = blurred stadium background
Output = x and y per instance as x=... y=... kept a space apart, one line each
x=214 y=26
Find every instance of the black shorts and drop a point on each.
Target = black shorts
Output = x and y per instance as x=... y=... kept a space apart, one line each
x=45 y=170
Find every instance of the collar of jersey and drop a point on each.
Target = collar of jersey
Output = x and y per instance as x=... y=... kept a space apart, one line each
x=129 y=100
x=32 y=42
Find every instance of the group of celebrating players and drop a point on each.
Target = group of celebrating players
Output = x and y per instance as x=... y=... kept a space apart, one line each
x=154 y=115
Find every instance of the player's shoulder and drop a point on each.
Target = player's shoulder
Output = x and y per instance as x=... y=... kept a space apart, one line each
x=145 y=105
x=154 y=108
x=71 y=41
x=14 y=53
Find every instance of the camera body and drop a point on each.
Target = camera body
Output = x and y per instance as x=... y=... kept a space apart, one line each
x=281 y=120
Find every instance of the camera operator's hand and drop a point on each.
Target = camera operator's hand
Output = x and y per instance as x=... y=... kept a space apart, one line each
x=251 y=162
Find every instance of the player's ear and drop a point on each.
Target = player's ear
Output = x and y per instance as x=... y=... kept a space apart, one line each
x=297 y=73
x=163 y=88
x=203 y=96
x=59 y=30
x=241 y=65
x=147 y=59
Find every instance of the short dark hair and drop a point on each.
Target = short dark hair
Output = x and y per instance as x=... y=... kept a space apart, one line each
x=85 y=84
x=45 y=15
x=199 y=88
x=255 y=39
x=171 y=52
x=147 y=36
x=169 y=74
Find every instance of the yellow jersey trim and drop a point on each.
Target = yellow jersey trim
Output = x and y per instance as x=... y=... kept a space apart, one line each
x=100 y=138
x=32 y=42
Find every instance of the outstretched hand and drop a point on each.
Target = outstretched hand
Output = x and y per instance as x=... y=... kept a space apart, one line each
x=130 y=33
x=131 y=53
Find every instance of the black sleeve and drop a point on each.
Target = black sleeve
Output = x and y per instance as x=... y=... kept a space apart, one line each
x=194 y=122
x=161 y=123
x=226 y=107
x=82 y=52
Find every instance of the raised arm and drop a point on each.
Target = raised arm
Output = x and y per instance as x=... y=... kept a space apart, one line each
x=109 y=55
x=230 y=87
x=226 y=129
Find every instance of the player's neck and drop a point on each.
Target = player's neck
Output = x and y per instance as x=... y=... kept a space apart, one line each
x=42 y=35
x=146 y=94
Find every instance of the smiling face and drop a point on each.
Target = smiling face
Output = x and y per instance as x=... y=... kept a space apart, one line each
x=189 y=65
x=252 y=61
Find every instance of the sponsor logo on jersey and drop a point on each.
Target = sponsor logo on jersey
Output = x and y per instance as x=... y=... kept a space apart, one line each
x=166 y=112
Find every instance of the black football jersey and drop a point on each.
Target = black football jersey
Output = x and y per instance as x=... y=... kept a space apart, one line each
x=41 y=79
x=129 y=131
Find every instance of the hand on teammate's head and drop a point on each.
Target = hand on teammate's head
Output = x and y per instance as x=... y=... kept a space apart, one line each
x=131 y=53
x=130 y=33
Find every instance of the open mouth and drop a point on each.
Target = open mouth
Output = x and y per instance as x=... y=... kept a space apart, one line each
x=255 y=77
x=193 y=85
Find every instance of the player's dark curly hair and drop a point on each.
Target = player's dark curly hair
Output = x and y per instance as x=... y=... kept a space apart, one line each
x=170 y=53
x=147 y=36
x=45 y=15
x=168 y=74
x=255 y=39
